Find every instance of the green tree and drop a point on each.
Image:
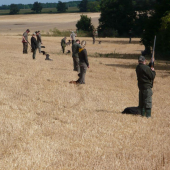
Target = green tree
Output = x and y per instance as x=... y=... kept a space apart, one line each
x=84 y=23
x=117 y=15
x=14 y=9
x=93 y=6
x=83 y=6
x=37 y=7
x=155 y=25
x=61 y=7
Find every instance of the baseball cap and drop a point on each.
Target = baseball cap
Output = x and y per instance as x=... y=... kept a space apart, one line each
x=141 y=58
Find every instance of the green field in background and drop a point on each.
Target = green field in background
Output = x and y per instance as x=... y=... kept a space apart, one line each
x=44 y=10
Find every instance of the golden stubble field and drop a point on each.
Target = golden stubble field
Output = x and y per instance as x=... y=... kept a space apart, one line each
x=47 y=123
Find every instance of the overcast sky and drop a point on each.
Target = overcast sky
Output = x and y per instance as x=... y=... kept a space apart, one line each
x=8 y=2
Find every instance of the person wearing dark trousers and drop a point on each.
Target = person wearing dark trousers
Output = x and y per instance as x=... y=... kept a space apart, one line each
x=63 y=44
x=145 y=76
x=84 y=64
x=39 y=41
x=25 y=41
x=34 y=45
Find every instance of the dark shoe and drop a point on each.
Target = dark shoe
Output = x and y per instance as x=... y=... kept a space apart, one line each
x=148 y=113
x=143 y=112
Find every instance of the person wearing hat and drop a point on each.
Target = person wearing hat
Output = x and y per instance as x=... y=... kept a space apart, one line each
x=72 y=36
x=25 y=41
x=84 y=64
x=145 y=76
x=63 y=44
x=39 y=41
x=34 y=45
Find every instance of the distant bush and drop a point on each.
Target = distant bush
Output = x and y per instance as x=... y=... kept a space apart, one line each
x=57 y=33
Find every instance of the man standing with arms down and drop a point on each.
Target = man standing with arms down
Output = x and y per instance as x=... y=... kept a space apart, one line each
x=34 y=45
x=25 y=41
x=63 y=44
x=39 y=41
x=75 y=51
x=145 y=77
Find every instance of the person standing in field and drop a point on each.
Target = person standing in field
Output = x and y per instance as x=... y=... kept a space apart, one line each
x=145 y=76
x=73 y=36
x=34 y=45
x=39 y=41
x=25 y=41
x=95 y=33
x=84 y=64
x=75 y=51
x=130 y=35
x=63 y=44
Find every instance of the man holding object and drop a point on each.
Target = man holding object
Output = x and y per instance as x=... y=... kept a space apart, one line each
x=145 y=76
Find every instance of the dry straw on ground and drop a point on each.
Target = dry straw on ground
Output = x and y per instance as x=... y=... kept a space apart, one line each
x=47 y=123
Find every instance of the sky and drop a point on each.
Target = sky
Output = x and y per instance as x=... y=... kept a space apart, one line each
x=8 y=2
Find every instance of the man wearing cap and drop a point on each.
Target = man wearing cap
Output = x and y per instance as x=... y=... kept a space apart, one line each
x=39 y=41
x=72 y=36
x=25 y=41
x=145 y=77
x=75 y=51
x=34 y=45
x=63 y=44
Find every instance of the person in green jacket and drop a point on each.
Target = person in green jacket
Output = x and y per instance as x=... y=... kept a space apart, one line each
x=63 y=44
x=75 y=50
x=145 y=77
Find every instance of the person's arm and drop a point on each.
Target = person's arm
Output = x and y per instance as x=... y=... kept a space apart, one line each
x=151 y=73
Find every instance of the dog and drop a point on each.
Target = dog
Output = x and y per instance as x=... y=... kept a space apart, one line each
x=47 y=57
x=68 y=51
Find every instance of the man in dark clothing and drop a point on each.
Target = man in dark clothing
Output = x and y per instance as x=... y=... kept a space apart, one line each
x=63 y=44
x=39 y=41
x=84 y=64
x=75 y=51
x=34 y=45
x=145 y=77
x=25 y=41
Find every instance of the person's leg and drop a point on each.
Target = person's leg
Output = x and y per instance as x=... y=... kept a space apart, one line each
x=26 y=47
x=141 y=106
x=39 y=47
x=34 y=53
x=77 y=64
x=83 y=69
x=63 y=49
x=148 y=102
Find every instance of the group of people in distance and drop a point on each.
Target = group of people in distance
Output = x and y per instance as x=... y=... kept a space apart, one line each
x=145 y=73
x=35 y=42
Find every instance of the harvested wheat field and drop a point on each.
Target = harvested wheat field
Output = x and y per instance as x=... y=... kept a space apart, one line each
x=47 y=123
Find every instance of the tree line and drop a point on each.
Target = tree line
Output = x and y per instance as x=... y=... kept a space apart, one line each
x=119 y=18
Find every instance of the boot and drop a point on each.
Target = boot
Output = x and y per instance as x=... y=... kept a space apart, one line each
x=142 y=111
x=148 y=113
